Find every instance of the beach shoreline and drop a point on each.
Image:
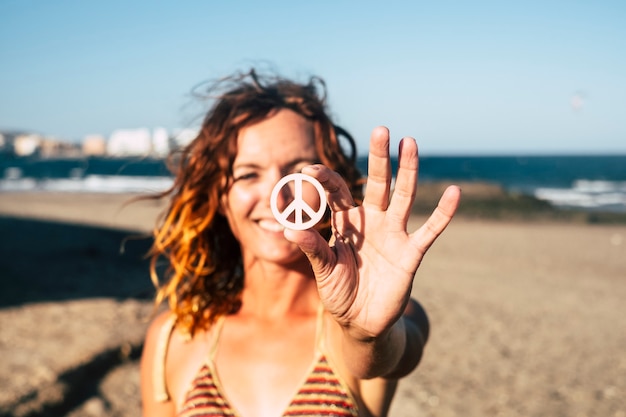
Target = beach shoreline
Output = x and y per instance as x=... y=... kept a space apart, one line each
x=525 y=315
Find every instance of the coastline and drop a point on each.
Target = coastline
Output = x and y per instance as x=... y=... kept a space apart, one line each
x=525 y=314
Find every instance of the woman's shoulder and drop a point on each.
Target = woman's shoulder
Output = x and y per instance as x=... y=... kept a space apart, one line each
x=161 y=324
x=153 y=359
x=170 y=358
x=165 y=338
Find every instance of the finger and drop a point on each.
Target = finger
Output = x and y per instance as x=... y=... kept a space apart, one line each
x=337 y=191
x=426 y=235
x=378 y=170
x=406 y=181
x=316 y=249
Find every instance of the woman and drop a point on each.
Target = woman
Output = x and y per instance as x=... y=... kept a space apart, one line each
x=268 y=321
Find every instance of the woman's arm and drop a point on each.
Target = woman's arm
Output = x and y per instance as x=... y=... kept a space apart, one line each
x=392 y=355
x=376 y=394
x=417 y=328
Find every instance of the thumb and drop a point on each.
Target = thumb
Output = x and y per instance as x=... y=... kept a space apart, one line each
x=316 y=249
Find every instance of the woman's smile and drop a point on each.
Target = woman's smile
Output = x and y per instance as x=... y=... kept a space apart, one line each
x=271 y=225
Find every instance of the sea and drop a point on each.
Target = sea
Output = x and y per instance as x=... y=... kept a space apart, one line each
x=592 y=183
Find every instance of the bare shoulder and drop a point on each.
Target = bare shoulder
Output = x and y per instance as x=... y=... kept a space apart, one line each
x=154 y=395
x=157 y=334
x=161 y=323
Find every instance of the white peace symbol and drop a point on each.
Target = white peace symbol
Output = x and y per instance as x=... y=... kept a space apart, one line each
x=298 y=205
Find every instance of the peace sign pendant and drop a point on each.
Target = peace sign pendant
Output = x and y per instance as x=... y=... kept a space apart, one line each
x=298 y=207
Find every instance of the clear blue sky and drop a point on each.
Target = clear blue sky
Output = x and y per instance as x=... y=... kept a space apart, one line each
x=462 y=77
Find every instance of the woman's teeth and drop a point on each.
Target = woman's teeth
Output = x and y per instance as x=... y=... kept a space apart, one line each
x=271 y=225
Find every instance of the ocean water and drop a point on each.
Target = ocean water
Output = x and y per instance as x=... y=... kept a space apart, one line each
x=594 y=183
x=584 y=182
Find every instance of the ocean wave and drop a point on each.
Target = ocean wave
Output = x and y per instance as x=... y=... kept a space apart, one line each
x=587 y=194
x=90 y=183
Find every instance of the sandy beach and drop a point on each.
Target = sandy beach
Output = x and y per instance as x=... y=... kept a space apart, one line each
x=528 y=317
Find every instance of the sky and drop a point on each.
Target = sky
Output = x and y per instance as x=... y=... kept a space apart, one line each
x=480 y=77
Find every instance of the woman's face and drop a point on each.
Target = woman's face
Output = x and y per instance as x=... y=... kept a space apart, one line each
x=281 y=144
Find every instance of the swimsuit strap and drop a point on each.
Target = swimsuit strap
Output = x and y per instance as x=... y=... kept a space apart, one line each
x=214 y=337
x=158 y=377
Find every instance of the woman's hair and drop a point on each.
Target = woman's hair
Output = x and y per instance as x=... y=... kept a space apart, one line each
x=203 y=278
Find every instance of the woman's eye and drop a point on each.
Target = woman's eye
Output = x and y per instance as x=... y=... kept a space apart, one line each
x=298 y=168
x=245 y=176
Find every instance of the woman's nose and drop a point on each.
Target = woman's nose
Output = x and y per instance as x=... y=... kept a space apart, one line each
x=284 y=195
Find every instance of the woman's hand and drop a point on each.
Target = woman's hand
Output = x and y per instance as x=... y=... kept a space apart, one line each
x=365 y=276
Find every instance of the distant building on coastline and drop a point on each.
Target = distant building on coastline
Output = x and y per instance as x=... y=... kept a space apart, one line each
x=54 y=148
x=130 y=142
x=139 y=142
x=26 y=144
x=94 y=145
x=160 y=142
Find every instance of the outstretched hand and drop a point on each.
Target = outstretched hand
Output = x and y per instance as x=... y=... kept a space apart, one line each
x=365 y=276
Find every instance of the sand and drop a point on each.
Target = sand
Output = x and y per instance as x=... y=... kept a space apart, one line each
x=528 y=318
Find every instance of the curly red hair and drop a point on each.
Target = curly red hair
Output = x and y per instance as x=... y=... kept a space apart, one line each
x=204 y=276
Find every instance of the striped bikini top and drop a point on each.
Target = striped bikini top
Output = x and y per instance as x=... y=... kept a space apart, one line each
x=323 y=392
